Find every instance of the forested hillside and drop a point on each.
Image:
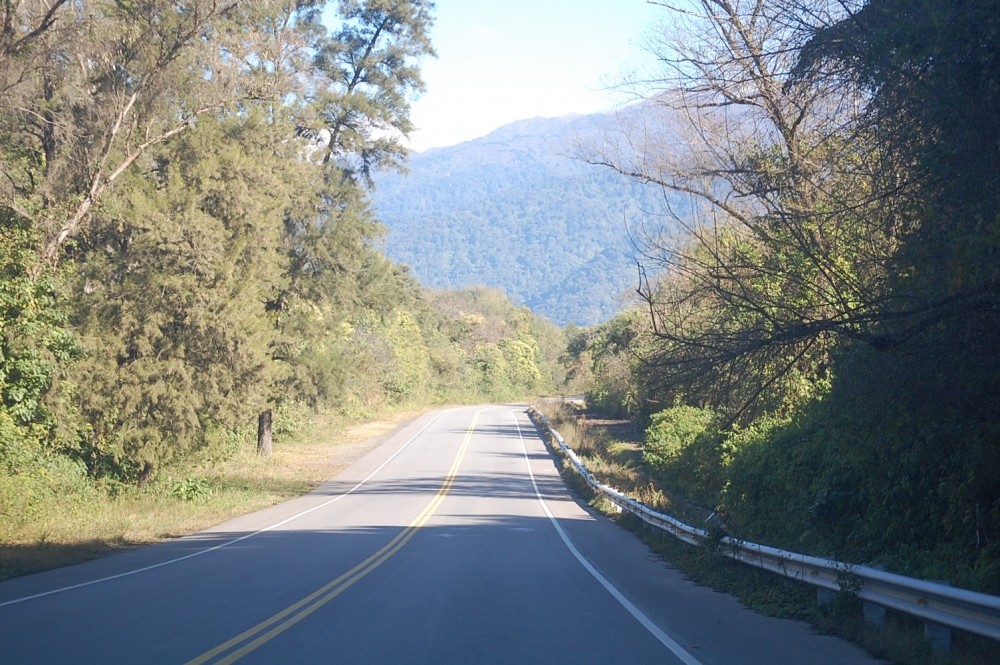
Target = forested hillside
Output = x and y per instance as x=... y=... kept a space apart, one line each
x=514 y=211
x=819 y=361
x=187 y=248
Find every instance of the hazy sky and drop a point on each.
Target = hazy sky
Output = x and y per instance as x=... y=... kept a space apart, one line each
x=505 y=60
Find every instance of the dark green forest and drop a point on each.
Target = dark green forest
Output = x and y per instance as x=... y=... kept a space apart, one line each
x=820 y=360
x=188 y=250
x=514 y=210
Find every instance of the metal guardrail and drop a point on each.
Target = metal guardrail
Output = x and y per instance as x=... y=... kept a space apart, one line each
x=932 y=602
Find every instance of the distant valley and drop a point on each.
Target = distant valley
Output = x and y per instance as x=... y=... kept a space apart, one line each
x=512 y=210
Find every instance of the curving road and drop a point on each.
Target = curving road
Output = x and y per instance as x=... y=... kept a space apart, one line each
x=455 y=541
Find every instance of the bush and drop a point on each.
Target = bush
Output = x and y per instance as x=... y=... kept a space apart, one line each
x=672 y=431
x=688 y=453
x=192 y=489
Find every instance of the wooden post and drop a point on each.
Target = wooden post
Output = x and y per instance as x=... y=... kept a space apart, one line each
x=264 y=434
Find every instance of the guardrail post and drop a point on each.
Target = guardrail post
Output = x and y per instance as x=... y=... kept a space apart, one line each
x=874 y=613
x=939 y=637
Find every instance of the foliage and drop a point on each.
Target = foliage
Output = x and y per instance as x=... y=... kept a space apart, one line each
x=35 y=342
x=514 y=211
x=614 y=350
x=511 y=353
x=188 y=239
x=170 y=296
x=577 y=361
x=367 y=74
x=687 y=453
x=192 y=489
x=507 y=369
x=99 y=85
x=834 y=303
x=672 y=431
x=390 y=358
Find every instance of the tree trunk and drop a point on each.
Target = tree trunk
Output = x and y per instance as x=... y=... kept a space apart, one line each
x=264 y=434
x=145 y=474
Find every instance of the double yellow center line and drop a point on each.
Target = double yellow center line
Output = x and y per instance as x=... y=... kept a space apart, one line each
x=298 y=611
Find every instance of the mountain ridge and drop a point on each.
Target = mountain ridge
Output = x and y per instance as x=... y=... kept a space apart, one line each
x=512 y=210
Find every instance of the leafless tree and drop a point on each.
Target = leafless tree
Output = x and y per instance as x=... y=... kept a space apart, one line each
x=783 y=252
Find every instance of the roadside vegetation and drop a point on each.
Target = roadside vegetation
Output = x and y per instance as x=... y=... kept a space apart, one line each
x=190 y=267
x=612 y=450
x=817 y=361
x=467 y=346
x=67 y=517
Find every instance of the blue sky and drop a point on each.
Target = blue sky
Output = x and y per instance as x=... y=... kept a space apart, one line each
x=506 y=60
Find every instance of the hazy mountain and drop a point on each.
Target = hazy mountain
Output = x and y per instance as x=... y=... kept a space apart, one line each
x=511 y=210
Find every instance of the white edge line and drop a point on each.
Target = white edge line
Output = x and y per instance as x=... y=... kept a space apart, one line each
x=646 y=622
x=235 y=540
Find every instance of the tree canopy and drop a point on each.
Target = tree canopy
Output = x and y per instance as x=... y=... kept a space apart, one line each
x=187 y=240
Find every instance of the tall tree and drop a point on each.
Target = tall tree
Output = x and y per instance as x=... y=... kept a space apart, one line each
x=933 y=111
x=174 y=276
x=103 y=83
x=355 y=110
x=367 y=75
x=779 y=257
x=211 y=261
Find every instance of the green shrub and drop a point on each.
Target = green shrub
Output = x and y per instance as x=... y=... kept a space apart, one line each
x=192 y=489
x=21 y=495
x=290 y=418
x=672 y=431
x=688 y=453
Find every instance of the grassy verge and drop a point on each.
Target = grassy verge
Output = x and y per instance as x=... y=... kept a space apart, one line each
x=66 y=518
x=612 y=451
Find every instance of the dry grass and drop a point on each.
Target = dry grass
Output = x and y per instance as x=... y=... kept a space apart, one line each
x=78 y=520
x=612 y=451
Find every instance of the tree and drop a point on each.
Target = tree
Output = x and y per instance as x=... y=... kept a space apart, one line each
x=105 y=83
x=366 y=76
x=782 y=255
x=25 y=24
x=930 y=69
x=35 y=343
x=149 y=159
x=362 y=77
x=932 y=109
x=173 y=278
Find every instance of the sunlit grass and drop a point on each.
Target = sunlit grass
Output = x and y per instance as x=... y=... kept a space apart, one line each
x=64 y=520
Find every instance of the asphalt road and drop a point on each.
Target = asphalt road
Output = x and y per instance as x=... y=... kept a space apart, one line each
x=455 y=541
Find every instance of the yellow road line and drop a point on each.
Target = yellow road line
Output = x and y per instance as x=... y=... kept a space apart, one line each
x=329 y=591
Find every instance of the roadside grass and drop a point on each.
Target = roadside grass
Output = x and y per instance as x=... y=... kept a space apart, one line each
x=64 y=517
x=618 y=463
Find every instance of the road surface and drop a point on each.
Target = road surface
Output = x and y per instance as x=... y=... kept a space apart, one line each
x=455 y=541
